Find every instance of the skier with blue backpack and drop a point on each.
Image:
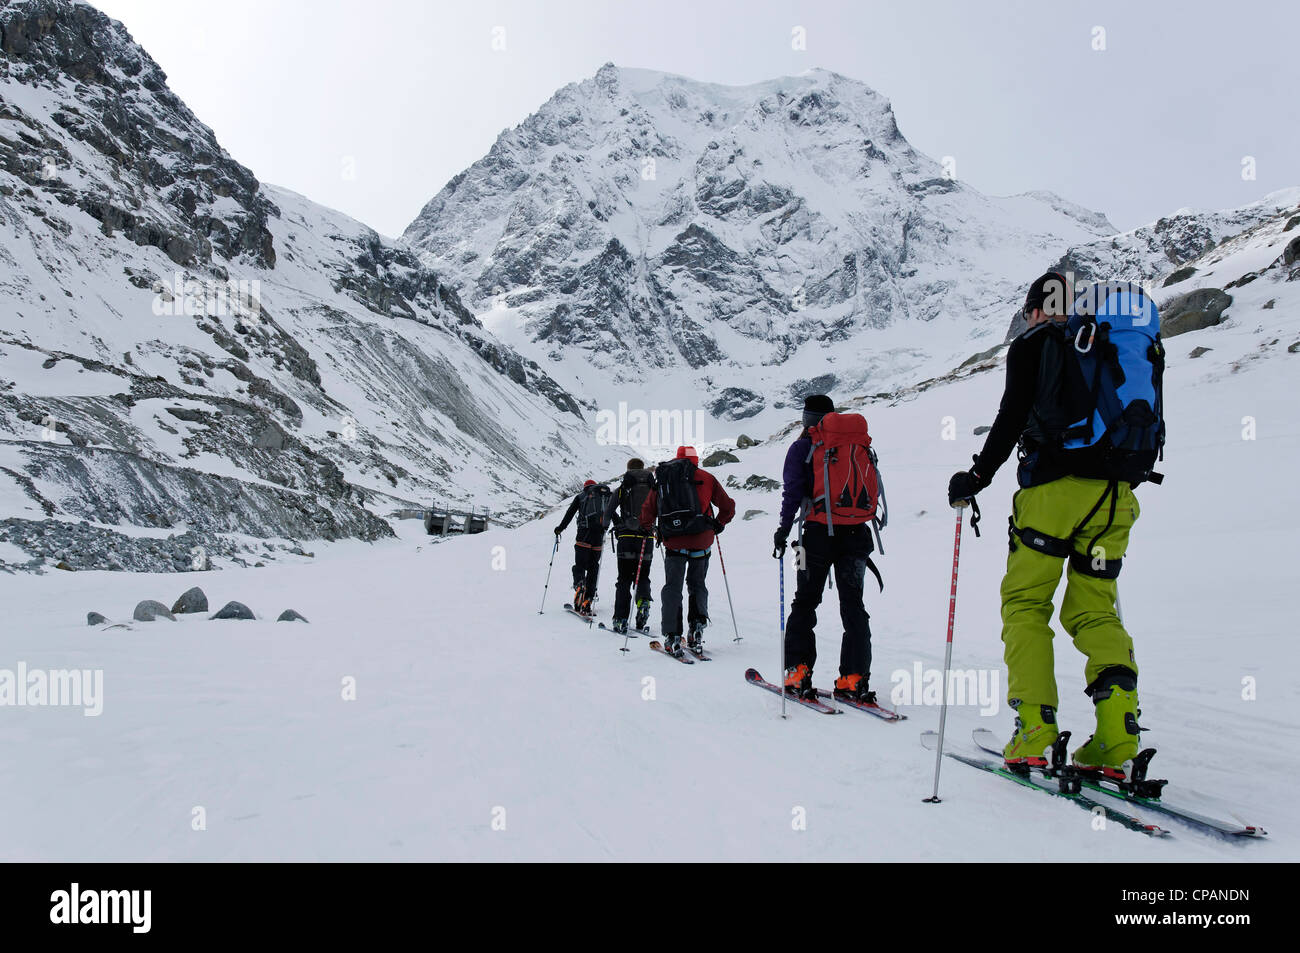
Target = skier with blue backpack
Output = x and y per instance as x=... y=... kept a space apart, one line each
x=1083 y=400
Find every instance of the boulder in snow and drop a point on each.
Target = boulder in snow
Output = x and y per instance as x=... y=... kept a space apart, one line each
x=150 y=610
x=233 y=610
x=191 y=600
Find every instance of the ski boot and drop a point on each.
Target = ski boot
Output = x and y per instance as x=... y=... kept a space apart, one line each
x=798 y=681
x=642 y=613
x=1035 y=733
x=695 y=641
x=1115 y=741
x=673 y=646
x=853 y=688
x=620 y=626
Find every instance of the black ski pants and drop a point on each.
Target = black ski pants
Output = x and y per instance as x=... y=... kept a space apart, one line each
x=630 y=550
x=680 y=566
x=846 y=553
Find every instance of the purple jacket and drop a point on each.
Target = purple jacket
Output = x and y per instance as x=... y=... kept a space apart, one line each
x=798 y=482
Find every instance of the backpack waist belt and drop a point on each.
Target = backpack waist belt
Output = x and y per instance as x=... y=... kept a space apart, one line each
x=691 y=553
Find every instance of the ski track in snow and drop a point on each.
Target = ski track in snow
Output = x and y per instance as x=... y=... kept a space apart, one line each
x=468 y=701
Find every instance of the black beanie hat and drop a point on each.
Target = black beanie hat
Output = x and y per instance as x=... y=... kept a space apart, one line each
x=636 y=463
x=815 y=407
x=1050 y=289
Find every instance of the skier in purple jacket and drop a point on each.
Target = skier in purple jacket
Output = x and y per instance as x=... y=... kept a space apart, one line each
x=847 y=554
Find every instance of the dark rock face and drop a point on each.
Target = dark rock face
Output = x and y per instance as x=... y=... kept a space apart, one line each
x=744 y=442
x=94 y=618
x=289 y=615
x=737 y=403
x=1193 y=311
x=754 y=482
x=125 y=112
x=192 y=600
x=1199 y=351
x=233 y=610
x=823 y=384
x=718 y=457
x=150 y=610
x=1291 y=254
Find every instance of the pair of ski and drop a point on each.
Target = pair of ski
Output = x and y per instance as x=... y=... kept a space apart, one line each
x=816 y=704
x=630 y=633
x=686 y=650
x=1094 y=792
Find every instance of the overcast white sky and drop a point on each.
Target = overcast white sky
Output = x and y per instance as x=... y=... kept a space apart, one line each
x=406 y=93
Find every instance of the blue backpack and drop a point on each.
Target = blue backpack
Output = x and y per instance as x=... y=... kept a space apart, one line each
x=1114 y=335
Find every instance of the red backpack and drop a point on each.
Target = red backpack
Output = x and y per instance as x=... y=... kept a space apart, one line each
x=846 y=484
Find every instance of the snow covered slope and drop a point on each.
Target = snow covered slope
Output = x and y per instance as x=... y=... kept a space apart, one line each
x=184 y=348
x=747 y=244
x=490 y=732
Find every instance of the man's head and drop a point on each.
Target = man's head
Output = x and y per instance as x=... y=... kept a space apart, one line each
x=815 y=408
x=688 y=453
x=636 y=463
x=1048 y=299
x=588 y=483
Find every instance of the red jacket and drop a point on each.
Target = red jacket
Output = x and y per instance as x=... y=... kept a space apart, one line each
x=711 y=494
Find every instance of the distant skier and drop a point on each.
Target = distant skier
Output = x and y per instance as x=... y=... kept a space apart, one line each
x=832 y=484
x=1075 y=506
x=634 y=546
x=681 y=510
x=589 y=506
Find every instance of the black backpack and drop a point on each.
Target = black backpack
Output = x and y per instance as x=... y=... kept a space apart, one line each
x=591 y=506
x=636 y=487
x=679 y=501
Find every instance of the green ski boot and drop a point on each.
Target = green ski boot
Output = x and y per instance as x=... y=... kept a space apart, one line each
x=1035 y=733
x=1116 y=739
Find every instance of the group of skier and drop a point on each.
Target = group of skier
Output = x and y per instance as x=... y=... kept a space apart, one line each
x=678 y=504
x=1082 y=402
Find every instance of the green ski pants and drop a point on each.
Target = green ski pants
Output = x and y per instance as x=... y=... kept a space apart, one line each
x=1088 y=611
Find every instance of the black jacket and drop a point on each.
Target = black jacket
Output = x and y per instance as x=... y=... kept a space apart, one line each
x=1042 y=396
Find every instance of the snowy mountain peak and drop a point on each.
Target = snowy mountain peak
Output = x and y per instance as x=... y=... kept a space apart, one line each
x=640 y=224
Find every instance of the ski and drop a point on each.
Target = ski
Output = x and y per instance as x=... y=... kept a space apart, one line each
x=754 y=678
x=574 y=612
x=701 y=655
x=1040 y=782
x=630 y=633
x=882 y=713
x=1231 y=830
x=658 y=647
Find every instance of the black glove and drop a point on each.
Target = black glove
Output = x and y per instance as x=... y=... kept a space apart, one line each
x=558 y=531
x=718 y=527
x=779 y=540
x=964 y=485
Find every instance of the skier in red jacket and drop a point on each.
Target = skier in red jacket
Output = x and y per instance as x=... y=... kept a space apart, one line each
x=686 y=528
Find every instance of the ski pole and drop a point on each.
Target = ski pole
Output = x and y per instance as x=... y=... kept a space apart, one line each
x=781 y=670
x=548 y=573
x=636 y=584
x=723 y=563
x=947 y=659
